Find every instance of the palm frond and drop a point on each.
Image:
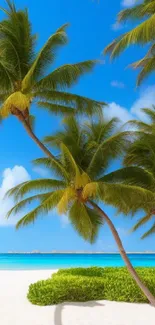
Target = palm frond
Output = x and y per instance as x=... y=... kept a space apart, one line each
x=141 y=34
x=142 y=126
x=70 y=165
x=17 y=42
x=149 y=67
x=126 y=198
x=91 y=190
x=7 y=76
x=112 y=147
x=54 y=165
x=45 y=207
x=22 y=204
x=56 y=109
x=45 y=57
x=142 y=152
x=39 y=184
x=150 y=232
x=68 y=196
x=80 y=104
x=141 y=222
x=137 y=12
x=66 y=75
x=85 y=221
x=132 y=176
x=150 y=113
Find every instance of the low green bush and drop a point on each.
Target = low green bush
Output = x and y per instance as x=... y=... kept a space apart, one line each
x=65 y=288
x=85 y=284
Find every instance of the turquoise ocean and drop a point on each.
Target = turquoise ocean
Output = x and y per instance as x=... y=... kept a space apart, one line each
x=55 y=261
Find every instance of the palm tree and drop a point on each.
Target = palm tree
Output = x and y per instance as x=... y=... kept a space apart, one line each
x=23 y=74
x=142 y=154
x=142 y=34
x=77 y=186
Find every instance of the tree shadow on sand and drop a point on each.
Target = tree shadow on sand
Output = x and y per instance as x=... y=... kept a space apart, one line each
x=59 y=309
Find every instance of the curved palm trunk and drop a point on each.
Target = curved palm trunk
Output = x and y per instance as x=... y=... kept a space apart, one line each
x=125 y=258
x=35 y=139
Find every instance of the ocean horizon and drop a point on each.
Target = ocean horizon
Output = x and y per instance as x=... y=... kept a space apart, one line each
x=45 y=261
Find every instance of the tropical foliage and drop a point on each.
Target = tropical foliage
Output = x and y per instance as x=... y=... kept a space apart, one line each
x=142 y=34
x=142 y=154
x=94 y=145
x=26 y=77
x=88 y=284
x=79 y=176
x=77 y=186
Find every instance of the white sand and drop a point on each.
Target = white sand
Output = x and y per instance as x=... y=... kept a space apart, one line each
x=16 y=310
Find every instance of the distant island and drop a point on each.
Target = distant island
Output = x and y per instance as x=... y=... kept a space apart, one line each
x=75 y=252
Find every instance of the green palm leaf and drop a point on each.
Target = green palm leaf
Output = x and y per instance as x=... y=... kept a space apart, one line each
x=137 y=12
x=39 y=184
x=45 y=57
x=22 y=204
x=66 y=75
x=57 y=109
x=111 y=147
x=53 y=165
x=79 y=103
x=126 y=198
x=46 y=206
x=141 y=222
x=150 y=232
x=85 y=221
x=131 y=175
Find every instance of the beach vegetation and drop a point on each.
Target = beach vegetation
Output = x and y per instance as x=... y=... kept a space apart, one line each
x=88 y=284
x=82 y=182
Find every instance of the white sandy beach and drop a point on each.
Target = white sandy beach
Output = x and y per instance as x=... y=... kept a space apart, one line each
x=16 y=310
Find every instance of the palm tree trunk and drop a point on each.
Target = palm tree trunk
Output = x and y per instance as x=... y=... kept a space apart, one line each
x=36 y=140
x=125 y=258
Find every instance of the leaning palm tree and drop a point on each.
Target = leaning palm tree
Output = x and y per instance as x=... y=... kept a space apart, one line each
x=23 y=74
x=77 y=187
x=142 y=34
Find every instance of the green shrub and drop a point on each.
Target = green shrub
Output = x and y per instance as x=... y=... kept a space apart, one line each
x=90 y=271
x=65 y=288
x=85 y=284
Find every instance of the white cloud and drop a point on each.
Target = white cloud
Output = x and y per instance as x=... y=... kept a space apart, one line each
x=10 y=178
x=128 y=3
x=146 y=99
x=115 y=110
x=116 y=26
x=117 y=84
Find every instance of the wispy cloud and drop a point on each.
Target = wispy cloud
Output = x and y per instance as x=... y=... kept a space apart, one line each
x=10 y=178
x=146 y=98
x=116 y=26
x=122 y=231
x=128 y=3
x=41 y=171
x=117 y=84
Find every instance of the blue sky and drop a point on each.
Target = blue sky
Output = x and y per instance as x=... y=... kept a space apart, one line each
x=92 y=27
